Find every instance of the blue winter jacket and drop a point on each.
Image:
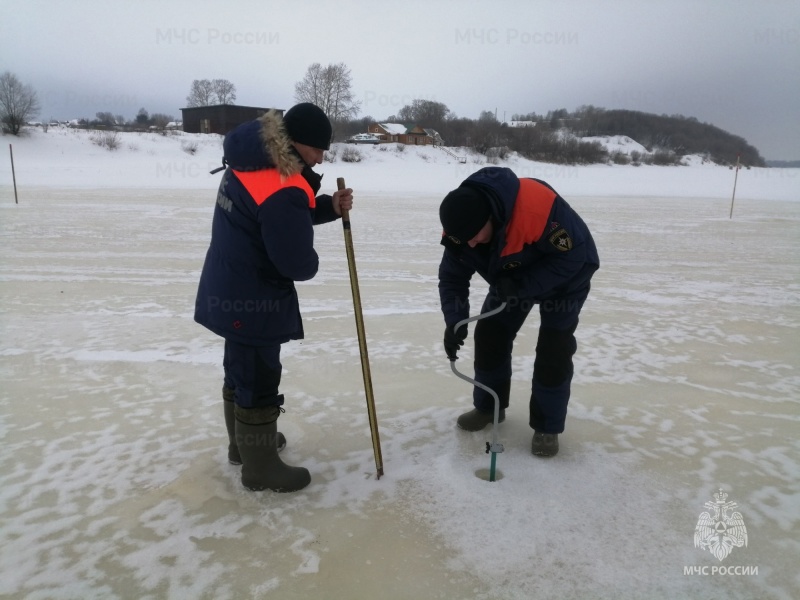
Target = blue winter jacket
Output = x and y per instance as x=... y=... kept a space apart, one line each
x=262 y=237
x=539 y=241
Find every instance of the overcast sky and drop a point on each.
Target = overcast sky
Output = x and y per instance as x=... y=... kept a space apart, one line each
x=734 y=64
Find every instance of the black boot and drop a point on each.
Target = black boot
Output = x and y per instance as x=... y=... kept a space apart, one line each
x=257 y=439
x=544 y=444
x=233 y=449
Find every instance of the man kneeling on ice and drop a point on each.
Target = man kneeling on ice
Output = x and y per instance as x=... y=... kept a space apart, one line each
x=532 y=248
x=262 y=241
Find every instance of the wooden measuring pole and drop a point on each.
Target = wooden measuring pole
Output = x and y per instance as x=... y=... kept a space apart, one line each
x=362 y=338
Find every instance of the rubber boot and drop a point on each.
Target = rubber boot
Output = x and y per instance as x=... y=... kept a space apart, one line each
x=476 y=420
x=544 y=444
x=230 y=425
x=233 y=449
x=257 y=439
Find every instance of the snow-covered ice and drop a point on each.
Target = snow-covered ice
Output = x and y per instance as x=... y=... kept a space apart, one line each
x=114 y=481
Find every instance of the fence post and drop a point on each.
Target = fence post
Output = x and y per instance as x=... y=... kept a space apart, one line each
x=735 y=177
x=13 y=174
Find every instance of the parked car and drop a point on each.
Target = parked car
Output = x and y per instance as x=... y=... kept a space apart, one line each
x=364 y=138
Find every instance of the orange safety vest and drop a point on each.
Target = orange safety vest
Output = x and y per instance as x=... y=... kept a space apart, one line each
x=529 y=217
x=263 y=183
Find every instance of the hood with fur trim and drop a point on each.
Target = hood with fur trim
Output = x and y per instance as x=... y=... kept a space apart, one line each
x=262 y=144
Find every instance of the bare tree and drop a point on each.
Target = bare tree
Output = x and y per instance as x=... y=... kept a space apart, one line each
x=161 y=120
x=224 y=91
x=142 y=117
x=18 y=103
x=105 y=119
x=201 y=93
x=330 y=89
x=425 y=112
x=205 y=92
x=312 y=87
x=487 y=133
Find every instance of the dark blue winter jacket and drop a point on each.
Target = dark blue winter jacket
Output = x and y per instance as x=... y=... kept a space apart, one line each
x=262 y=237
x=539 y=241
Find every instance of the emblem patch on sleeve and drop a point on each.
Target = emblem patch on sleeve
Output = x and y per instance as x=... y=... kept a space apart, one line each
x=561 y=240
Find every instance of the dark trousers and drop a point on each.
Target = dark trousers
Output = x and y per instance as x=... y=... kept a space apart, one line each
x=253 y=373
x=552 y=368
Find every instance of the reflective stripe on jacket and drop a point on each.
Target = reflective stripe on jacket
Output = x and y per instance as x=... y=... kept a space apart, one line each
x=529 y=218
x=263 y=183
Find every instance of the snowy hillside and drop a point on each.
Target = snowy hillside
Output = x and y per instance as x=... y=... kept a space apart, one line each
x=71 y=158
x=617 y=143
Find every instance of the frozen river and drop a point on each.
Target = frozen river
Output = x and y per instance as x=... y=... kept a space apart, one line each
x=114 y=481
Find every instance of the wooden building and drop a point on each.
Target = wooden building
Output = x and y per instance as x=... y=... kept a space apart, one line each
x=220 y=118
x=413 y=135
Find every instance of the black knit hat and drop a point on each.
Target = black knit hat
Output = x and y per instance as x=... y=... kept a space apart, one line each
x=305 y=123
x=463 y=213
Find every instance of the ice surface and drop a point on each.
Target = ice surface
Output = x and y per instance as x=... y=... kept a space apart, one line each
x=114 y=481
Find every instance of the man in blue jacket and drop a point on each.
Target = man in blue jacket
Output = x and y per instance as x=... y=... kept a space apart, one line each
x=262 y=241
x=533 y=249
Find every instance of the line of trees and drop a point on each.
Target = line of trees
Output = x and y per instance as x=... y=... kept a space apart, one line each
x=555 y=136
x=143 y=119
x=676 y=133
x=209 y=92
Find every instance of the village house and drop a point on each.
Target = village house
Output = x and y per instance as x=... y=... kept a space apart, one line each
x=413 y=135
x=520 y=123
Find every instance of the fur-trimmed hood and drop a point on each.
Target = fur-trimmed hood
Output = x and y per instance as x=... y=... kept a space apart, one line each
x=262 y=144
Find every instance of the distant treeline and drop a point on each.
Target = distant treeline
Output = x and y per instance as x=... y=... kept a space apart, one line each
x=556 y=136
x=676 y=133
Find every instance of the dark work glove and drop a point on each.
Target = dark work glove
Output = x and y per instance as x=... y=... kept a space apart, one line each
x=453 y=340
x=506 y=288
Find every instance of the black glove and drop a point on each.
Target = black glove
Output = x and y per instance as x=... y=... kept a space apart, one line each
x=506 y=288
x=453 y=340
